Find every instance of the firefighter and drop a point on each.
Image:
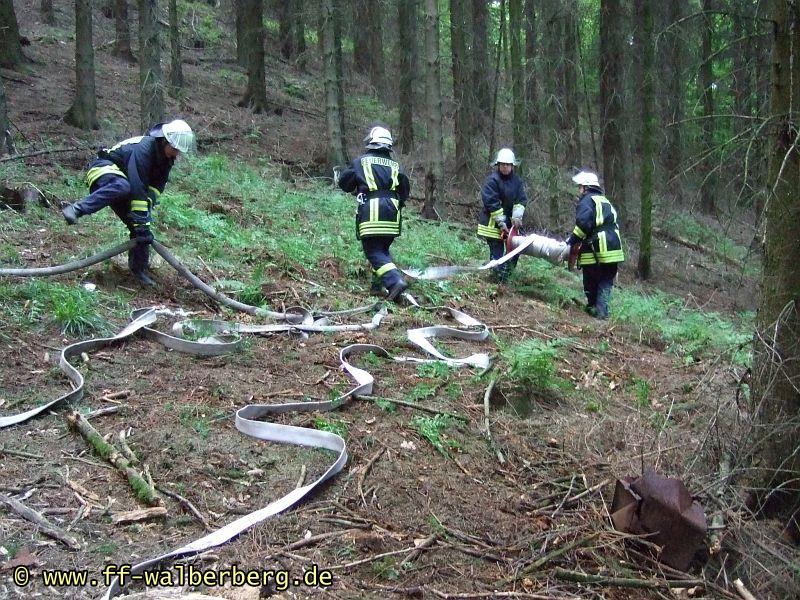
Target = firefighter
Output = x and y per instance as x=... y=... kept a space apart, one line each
x=129 y=178
x=382 y=189
x=595 y=243
x=504 y=202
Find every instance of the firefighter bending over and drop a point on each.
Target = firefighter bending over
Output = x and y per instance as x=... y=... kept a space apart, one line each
x=382 y=189
x=129 y=178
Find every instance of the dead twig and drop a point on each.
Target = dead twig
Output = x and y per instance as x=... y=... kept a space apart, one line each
x=423 y=545
x=363 y=475
x=631 y=582
x=369 y=559
x=487 y=432
x=539 y=563
x=415 y=406
x=101 y=412
x=743 y=591
x=45 y=526
x=302 y=479
x=40 y=152
x=19 y=453
x=185 y=504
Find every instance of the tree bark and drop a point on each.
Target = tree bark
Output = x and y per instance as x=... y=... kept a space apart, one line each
x=6 y=139
x=481 y=65
x=241 y=42
x=176 y=62
x=776 y=357
x=531 y=75
x=433 y=89
x=407 y=45
x=644 y=15
x=122 y=41
x=361 y=42
x=673 y=110
x=48 y=14
x=83 y=112
x=708 y=184
x=572 y=128
x=285 y=29
x=255 y=95
x=10 y=48
x=299 y=34
x=150 y=81
x=519 y=128
x=461 y=74
x=615 y=172
x=336 y=154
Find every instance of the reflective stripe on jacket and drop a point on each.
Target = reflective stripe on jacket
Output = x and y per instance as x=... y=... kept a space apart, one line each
x=500 y=195
x=143 y=162
x=381 y=188
x=596 y=226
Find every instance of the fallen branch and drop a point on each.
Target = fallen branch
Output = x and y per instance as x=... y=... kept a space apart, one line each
x=413 y=405
x=363 y=475
x=302 y=479
x=631 y=582
x=697 y=247
x=143 y=490
x=185 y=504
x=370 y=559
x=40 y=152
x=487 y=432
x=539 y=563
x=743 y=591
x=45 y=526
x=101 y=412
x=424 y=544
x=19 y=453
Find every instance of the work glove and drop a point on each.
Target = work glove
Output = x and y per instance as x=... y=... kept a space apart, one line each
x=516 y=216
x=516 y=222
x=574 y=252
x=500 y=221
x=337 y=172
x=143 y=235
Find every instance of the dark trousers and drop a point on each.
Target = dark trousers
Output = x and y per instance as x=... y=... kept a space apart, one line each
x=598 y=280
x=497 y=249
x=376 y=249
x=115 y=192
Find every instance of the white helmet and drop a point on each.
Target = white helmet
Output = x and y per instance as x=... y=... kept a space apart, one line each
x=586 y=178
x=506 y=156
x=179 y=135
x=379 y=137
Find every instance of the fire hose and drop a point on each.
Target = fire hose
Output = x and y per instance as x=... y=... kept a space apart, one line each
x=249 y=419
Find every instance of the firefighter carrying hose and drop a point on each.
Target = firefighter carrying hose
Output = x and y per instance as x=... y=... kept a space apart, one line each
x=595 y=243
x=129 y=178
x=504 y=202
x=381 y=189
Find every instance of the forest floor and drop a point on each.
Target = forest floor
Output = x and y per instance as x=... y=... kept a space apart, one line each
x=624 y=398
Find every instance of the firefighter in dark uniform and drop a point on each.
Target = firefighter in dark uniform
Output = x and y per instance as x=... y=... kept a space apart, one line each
x=504 y=202
x=382 y=189
x=595 y=243
x=129 y=178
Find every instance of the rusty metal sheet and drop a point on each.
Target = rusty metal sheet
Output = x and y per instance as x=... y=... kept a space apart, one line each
x=662 y=509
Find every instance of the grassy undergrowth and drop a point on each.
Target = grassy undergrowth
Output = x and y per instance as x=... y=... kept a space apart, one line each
x=246 y=222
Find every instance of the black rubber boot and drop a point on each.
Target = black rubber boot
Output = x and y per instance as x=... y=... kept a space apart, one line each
x=138 y=261
x=71 y=215
x=397 y=289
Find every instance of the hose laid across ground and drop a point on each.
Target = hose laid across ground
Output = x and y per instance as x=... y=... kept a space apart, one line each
x=75 y=265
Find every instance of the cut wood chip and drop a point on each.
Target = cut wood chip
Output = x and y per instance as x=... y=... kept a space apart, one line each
x=144 y=514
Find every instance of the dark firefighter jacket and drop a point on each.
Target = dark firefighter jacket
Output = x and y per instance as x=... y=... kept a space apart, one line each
x=141 y=160
x=500 y=195
x=596 y=227
x=382 y=190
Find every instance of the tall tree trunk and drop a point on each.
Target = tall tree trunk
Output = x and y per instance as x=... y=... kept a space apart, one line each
x=520 y=129
x=300 y=34
x=644 y=14
x=531 y=76
x=481 y=65
x=406 y=48
x=176 y=62
x=10 y=48
x=48 y=15
x=433 y=101
x=241 y=34
x=150 y=81
x=361 y=42
x=674 y=91
x=6 y=139
x=122 y=30
x=83 y=112
x=504 y=38
x=461 y=73
x=377 y=62
x=572 y=128
x=285 y=29
x=615 y=173
x=707 y=168
x=255 y=96
x=336 y=154
x=776 y=358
